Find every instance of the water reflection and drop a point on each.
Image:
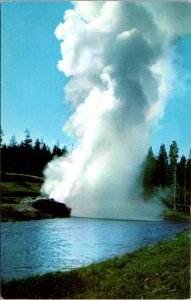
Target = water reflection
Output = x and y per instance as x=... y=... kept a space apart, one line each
x=37 y=247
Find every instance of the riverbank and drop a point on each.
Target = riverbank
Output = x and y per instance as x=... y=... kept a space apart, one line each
x=19 y=190
x=158 y=272
x=172 y=215
x=16 y=192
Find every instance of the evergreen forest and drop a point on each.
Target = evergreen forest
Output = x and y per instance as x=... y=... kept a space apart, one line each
x=168 y=177
x=27 y=157
x=163 y=175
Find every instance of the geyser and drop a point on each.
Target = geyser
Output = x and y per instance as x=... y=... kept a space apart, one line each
x=118 y=57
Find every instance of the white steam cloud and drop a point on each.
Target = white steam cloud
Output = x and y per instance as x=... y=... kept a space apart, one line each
x=119 y=59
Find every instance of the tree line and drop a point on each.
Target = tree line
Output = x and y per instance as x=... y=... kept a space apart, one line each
x=27 y=157
x=163 y=173
x=167 y=174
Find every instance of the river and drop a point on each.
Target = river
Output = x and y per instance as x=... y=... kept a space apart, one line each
x=37 y=247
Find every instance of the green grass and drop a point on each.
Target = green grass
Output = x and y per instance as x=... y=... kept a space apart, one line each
x=157 y=272
x=15 y=187
x=19 y=184
x=24 y=188
x=176 y=215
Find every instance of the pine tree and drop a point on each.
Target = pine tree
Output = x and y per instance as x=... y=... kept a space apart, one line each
x=173 y=157
x=1 y=136
x=56 y=151
x=37 y=145
x=149 y=173
x=181 y=179
x=13 y=141
x=28 y=141
x=162 y=167
x=188 y=177
x=27 y=150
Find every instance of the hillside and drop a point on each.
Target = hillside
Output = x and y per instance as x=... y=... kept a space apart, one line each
x=17 y=190
x=19 y=203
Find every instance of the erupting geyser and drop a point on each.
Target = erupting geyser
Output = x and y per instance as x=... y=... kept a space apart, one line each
x=119 y=59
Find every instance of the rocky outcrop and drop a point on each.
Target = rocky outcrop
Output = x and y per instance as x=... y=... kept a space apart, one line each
x=50 y=206
x=21 y=200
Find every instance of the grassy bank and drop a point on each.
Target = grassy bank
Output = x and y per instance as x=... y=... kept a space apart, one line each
x=18 y=192
x=157 y=272
x=19 y=185
x=15 y=188
x=176 y=216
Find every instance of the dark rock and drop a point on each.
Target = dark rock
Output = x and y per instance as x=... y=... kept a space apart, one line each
x=50 y=206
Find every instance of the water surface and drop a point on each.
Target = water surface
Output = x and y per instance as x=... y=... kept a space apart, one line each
x=37 y=247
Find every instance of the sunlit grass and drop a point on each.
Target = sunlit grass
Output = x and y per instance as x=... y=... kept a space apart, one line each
x=14 y=187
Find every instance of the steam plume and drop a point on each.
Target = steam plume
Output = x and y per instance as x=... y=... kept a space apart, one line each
x=119 y=59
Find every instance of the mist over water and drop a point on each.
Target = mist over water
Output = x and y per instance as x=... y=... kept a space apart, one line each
x=118 y=57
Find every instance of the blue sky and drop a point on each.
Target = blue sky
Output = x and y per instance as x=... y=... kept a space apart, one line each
x=176 y=123
x=32 y=86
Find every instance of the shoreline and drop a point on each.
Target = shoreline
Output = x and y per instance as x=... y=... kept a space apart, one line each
x=152 y=272
x=19 y=190
x=17 y=213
